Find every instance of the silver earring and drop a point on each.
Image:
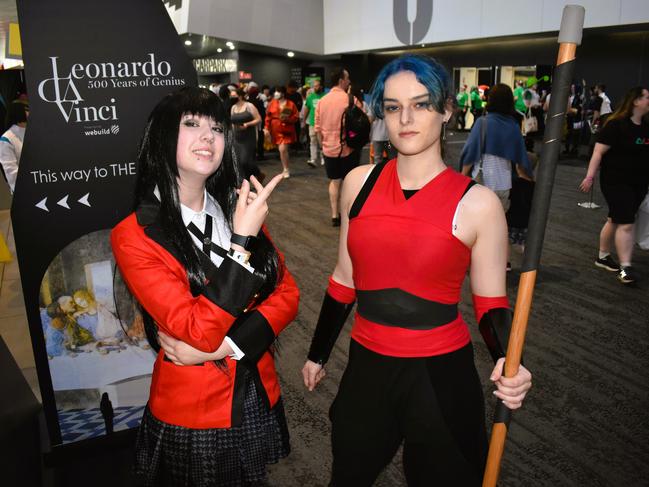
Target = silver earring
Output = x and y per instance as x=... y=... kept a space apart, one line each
x=443 y=131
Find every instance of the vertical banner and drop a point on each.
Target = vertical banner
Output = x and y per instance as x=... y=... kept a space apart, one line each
x=94 y=71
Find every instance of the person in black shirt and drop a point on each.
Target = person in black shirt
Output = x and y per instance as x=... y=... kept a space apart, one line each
x=294 y=95
x=255 y=98
x=622 y=149
x=574 y=119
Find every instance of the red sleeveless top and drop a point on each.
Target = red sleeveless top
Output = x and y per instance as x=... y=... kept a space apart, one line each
x=408 y=266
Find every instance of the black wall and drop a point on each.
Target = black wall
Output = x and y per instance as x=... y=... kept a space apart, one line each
x=620 y=60
x=276 y=70
x=12 y=84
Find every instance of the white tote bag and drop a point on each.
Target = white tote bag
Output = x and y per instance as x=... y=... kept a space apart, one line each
x=530 y=123
x=642 y=224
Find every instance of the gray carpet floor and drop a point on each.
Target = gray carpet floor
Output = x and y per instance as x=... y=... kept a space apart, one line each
x=586 y=420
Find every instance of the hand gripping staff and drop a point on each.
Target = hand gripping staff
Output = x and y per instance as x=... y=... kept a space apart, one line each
x=572 y=23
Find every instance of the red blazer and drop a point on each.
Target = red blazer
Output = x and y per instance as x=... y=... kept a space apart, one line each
x=202 y=396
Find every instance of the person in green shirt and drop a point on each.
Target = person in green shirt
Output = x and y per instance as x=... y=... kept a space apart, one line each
x=311 y=102
x=462 y=106
x=519 y=102
x=476 y=103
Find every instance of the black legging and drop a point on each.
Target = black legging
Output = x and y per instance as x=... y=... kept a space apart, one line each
x=461 y=118
x=434 y=404
x=244 y=146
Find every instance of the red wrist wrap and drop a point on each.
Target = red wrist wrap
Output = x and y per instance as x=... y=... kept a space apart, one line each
x=341 y=293
x=482 y=304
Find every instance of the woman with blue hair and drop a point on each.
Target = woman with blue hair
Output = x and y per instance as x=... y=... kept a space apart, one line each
x=411 y=375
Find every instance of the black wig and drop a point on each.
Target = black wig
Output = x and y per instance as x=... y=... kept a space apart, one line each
x=157 y=167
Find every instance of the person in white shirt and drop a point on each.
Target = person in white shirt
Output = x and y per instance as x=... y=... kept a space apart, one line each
x=602 y=104
x=11 y=142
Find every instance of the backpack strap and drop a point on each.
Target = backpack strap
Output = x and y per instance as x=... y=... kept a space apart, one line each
x=483 y=137
x=365 y=191
x=342 y=123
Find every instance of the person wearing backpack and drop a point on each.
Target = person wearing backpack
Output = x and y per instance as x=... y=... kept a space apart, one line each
x=339 y=152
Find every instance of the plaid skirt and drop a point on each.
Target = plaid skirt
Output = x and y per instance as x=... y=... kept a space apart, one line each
x=175 y=456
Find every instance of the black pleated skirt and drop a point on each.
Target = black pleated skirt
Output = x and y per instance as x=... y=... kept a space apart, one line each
x=169 y=455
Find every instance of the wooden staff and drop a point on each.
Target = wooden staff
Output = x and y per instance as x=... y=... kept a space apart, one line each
x=572 y=23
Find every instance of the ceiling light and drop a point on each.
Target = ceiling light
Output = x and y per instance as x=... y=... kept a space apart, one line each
x=219 y=50
x=188 y=42
x=229 y=44
x=290 y=54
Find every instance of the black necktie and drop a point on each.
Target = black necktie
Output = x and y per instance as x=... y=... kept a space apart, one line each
x=206 y=238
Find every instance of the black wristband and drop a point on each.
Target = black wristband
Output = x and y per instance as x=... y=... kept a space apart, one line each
x=495 y=326
x=330 y=322
x=245 y=242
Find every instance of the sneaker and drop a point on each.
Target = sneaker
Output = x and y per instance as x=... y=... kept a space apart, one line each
x=509 y=267
x=286 y=174
x=311 y=163
x=335 y=221
x=608 y=263
x=626 y=275
x=322 y=161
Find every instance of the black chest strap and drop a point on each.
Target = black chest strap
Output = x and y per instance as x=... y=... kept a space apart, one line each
x=365 y=191
x=471 y=184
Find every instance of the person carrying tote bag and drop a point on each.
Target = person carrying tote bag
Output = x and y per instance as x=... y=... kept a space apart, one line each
x=530 y=123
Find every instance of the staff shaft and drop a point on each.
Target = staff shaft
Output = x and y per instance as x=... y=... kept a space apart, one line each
x=573 y=19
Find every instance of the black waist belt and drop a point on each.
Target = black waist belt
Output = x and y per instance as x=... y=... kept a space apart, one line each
x=395 y=307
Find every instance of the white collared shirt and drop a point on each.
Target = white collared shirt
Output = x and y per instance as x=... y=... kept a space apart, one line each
x=221 y=235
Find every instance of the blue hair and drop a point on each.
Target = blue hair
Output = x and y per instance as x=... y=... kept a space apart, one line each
x=428 y=72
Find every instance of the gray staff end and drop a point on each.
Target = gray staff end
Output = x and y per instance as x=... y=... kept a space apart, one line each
x=572 y=24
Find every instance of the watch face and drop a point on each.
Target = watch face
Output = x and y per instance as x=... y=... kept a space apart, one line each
x=240 y=257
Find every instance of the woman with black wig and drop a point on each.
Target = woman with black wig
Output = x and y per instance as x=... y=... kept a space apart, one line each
x=216 y=292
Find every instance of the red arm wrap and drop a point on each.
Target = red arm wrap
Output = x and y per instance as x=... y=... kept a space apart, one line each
x=341 y=293
x=482 y=304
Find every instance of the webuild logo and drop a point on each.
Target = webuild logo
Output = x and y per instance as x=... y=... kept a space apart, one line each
x=64 y=90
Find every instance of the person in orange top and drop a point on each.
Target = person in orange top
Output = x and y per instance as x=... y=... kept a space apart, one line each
x=214 y=292
x=281 y=117
x=339 y=158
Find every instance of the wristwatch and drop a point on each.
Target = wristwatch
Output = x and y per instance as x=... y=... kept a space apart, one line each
x=246 y=242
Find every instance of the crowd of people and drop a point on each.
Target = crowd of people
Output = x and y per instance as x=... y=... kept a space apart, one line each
x=503 y=157
x=499 y=152
x=293 y=118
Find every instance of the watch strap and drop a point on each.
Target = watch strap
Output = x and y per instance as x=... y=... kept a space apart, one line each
x=245 y=242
